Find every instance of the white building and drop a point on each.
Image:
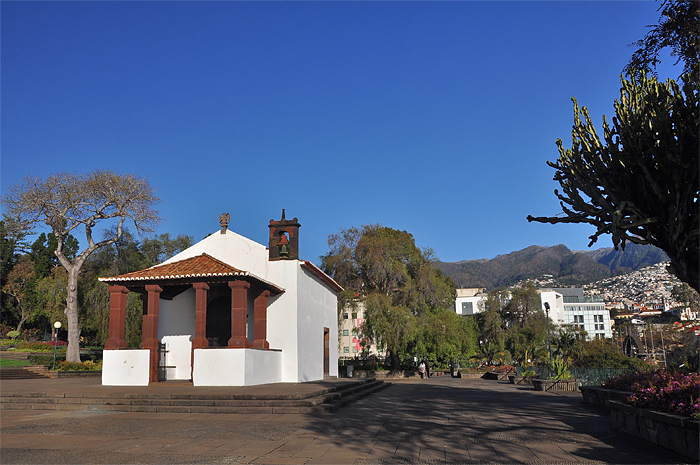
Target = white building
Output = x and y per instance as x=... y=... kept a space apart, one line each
x=570 y=306
x=467 y=302
x=227 y=311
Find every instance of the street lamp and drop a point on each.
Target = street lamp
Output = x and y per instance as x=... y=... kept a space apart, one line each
x=549 y=343
x=56 y=326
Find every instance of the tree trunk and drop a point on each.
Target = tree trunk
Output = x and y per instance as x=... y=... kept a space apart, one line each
x=395 y=361
x=73 y=351
x=22 y=320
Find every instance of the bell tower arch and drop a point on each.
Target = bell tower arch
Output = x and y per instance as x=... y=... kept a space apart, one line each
x=284 y=239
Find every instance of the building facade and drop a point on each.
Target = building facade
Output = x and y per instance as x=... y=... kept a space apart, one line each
x=568 y=306
x=468 y=300
x=350 y=334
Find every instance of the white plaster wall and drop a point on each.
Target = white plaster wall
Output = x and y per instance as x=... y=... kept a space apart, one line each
x=236 y=367
x=282 y=316
x=556 y=306
x=234 y=249
x=126 y=367
x=177 y=317
x=176 y=326
x=317 y=308
x=179 y=355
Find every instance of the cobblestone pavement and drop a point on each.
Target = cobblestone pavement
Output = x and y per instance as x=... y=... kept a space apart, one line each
x=441 y=420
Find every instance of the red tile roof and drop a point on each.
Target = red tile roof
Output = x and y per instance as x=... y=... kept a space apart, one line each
x=201 y=266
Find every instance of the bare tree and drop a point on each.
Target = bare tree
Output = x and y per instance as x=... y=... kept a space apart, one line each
x=65 y=202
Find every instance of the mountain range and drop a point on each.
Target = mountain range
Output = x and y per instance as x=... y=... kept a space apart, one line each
x=567 y=267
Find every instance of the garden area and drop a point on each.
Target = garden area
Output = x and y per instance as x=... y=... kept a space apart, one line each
x=17 y=351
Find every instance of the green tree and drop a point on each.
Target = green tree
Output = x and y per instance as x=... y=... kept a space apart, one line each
x=65 y=202
x=11 y=244
x=42 y=252
x=640 y=183
x=160 y=248
x=396 y=280
x=525 y=323
x=678 y=30
x=18 y=284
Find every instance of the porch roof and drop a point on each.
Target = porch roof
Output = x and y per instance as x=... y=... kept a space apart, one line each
x=197 y=268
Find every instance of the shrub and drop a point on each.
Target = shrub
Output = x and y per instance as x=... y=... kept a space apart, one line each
x=72 y=366
x=503 y=369
x=23 y=346
x=13 y=334
x=41 y=359
x=31 y=334
x=671 y=392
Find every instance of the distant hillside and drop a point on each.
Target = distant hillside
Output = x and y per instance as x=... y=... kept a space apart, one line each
x=566 y=266
x=635 y=257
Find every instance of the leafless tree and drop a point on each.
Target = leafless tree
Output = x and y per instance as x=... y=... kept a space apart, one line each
x=65 y=202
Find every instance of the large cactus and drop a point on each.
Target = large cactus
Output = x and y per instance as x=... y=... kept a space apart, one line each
x=640 y=183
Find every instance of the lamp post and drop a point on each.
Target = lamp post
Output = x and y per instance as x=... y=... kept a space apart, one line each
x=549 y=342
x=56 y=326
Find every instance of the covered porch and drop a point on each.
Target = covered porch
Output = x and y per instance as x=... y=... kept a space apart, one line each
x=203 y=320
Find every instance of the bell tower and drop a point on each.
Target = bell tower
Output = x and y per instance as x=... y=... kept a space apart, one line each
x=284 y=239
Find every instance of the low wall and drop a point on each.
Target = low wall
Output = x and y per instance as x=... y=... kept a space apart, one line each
x=389 y=374
x=602 y=396
x=236 y=367
x=496 y=375
x=125 y=367
x=78 y=374
x=570 y=385
x=515 y=379
x=673 y=432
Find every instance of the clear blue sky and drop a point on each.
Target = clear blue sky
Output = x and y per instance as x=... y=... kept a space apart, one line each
x=430 y=117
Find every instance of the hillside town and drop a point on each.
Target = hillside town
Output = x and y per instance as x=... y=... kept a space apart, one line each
x=645 y=292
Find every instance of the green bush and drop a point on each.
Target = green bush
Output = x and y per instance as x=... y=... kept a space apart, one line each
x=41 y=359
x=13 y=334
x=88 y=365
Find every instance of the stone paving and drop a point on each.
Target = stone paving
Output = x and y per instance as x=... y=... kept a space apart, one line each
x=440 y=420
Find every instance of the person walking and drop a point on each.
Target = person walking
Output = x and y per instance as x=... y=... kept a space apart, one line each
x=427 y=368
x=421 y=369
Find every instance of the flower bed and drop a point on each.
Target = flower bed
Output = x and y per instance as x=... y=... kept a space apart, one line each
x=671 y=392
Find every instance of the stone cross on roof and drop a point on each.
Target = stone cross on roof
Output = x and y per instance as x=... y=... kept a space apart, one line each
x=224 y=218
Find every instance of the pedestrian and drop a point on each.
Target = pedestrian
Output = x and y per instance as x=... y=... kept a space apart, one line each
x=427 y=368
x=421 y=369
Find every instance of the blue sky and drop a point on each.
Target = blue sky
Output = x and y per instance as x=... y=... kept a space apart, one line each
x=432 y=117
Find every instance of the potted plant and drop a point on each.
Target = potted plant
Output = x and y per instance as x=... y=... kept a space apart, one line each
x=560 y=379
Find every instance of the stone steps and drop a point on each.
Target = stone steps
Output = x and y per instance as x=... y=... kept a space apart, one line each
x=322 y=401
x=28 y=372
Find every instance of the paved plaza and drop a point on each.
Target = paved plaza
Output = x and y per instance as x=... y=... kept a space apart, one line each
x=441 y=420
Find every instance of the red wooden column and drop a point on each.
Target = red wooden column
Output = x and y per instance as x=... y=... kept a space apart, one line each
x=117 y=317
x=149 y=332
x=200 y=317
x=260 y=321
x=239 y=309
x=200 y=340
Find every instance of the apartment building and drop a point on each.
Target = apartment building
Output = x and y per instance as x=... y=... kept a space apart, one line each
x=350 y=333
